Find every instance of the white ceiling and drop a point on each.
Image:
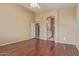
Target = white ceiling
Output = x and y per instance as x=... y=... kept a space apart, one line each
x=47 y=6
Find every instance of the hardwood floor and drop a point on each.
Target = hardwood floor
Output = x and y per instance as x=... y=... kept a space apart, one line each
x=36 y=47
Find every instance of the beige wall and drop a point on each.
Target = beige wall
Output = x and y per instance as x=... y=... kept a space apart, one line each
x=77 y=26
x=67 y=29
x=66 y=24
x=14 y=23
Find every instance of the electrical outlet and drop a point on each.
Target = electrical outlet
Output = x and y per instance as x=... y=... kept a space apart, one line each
x=65 y=38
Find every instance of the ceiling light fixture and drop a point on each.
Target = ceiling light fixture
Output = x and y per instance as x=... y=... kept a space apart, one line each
x=33 y=5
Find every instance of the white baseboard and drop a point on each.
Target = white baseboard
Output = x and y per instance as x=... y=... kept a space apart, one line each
x=77 y=47
x=13 y=42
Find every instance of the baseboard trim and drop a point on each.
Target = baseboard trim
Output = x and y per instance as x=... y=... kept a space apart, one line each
x=13 y=42
x=77 y=47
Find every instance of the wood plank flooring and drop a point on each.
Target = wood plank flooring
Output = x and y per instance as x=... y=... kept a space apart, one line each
x=35 y=47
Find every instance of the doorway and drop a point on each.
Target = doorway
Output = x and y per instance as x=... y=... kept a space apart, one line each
x=50 y=22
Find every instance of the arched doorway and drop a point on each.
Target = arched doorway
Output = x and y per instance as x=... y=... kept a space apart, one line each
x=50 y=22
